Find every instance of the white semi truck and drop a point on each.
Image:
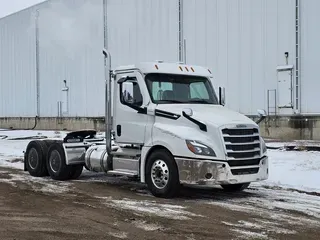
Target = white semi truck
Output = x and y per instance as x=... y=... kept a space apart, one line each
x=168 y=128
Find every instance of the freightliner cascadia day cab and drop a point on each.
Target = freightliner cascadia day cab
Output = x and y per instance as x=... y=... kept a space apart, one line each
x=169 y=128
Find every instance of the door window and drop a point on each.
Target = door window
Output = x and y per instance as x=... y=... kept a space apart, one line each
x=130 y=93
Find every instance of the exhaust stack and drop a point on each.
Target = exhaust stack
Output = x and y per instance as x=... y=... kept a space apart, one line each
x=108 y=76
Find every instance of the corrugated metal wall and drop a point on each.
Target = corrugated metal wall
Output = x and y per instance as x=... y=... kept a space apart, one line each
x=242 y=42
x=70 y=47
x=71 y=38
x=310 y=52
x=17 y=65
x=142 y=30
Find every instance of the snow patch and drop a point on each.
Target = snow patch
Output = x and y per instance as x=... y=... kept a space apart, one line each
x=175 y=212
x=263 y=227
x=45 y=185
x=233 y=206
x=245 y=234
x=276 y=206
x=121 y=235
x=147 y=226
x=296 y=170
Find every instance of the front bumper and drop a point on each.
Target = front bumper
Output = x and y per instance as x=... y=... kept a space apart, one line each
x=208 y=172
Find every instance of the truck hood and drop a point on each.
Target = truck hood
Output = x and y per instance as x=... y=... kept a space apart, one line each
x=215 y=115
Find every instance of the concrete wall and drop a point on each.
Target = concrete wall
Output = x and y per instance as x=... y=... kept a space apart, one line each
x=53 y=123
x=291 y=127
x=284 y=128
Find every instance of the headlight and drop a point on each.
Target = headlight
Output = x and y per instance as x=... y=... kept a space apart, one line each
x=199 y=148
x=263 y=145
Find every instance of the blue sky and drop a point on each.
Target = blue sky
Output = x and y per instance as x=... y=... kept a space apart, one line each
x=10 y=6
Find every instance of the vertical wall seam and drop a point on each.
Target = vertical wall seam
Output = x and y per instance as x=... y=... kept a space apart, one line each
x=180 y=28
x=37 y=62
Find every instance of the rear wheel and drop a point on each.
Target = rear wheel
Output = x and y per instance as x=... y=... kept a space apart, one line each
x=35 y=158
x=76 y=171
x=162 y=175
x=235 y=187
x=56 y=163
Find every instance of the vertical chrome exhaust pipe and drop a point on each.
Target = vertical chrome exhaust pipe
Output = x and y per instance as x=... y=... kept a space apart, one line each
x=108 y=76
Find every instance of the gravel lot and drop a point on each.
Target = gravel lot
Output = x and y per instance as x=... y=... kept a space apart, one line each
x=102 y=207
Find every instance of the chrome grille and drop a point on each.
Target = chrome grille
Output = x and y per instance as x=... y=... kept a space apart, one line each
x=243 y=149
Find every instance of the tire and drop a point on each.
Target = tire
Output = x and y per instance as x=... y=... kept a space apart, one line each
x=158 y=163
x=49 y=142
x=76 y=171
x=56 y=163
x=35 y=158
x=235 y=187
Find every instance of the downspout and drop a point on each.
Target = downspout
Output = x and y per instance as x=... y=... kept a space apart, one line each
x=298 y=57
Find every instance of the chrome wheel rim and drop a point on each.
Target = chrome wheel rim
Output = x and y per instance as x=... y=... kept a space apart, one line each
x=55 y=161
x=33 y=158
x=160 y=174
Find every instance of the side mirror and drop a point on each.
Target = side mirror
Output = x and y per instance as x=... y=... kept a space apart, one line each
x=222 y=96
x=262 y=114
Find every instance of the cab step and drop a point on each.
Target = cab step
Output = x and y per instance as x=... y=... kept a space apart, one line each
x=124 y=173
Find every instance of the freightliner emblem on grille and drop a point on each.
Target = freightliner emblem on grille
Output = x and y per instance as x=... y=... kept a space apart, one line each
x=241 y=126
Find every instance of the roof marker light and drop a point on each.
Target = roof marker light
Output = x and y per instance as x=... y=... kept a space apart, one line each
x=209 y=71
x=192 y=69
x=156 y=66
x=180 y=68
x=187 y=69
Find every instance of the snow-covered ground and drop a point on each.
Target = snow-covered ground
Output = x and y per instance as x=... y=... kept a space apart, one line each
x=288 y=169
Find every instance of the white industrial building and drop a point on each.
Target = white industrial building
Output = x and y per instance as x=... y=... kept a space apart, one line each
x=263 y=51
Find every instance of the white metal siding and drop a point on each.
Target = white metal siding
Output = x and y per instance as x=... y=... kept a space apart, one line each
x=71 y=42
x=242 y=42
x=142 y=30
x=17 y=66
x=71 y=39
x=310 y=52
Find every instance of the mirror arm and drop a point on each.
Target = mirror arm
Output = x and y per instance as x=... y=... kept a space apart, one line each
x=220 y=96
x=261 y=119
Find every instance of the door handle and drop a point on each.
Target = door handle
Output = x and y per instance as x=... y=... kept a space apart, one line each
x=119 y=130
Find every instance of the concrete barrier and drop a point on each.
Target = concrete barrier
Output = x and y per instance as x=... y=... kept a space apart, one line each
x=48 y=123
x=277 y=127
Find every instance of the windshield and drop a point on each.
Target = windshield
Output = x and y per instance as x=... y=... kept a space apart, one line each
x=170 y=88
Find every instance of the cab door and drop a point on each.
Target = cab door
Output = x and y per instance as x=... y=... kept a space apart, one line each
x=130 y=113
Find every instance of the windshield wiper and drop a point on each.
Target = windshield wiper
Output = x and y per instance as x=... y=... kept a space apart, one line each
x=200 y=101
x=172 y=101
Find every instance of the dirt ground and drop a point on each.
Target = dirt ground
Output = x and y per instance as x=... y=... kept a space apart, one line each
x=101 y=207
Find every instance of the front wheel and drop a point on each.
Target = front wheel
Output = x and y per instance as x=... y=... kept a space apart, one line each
x=162 y=175
x=235 y=187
